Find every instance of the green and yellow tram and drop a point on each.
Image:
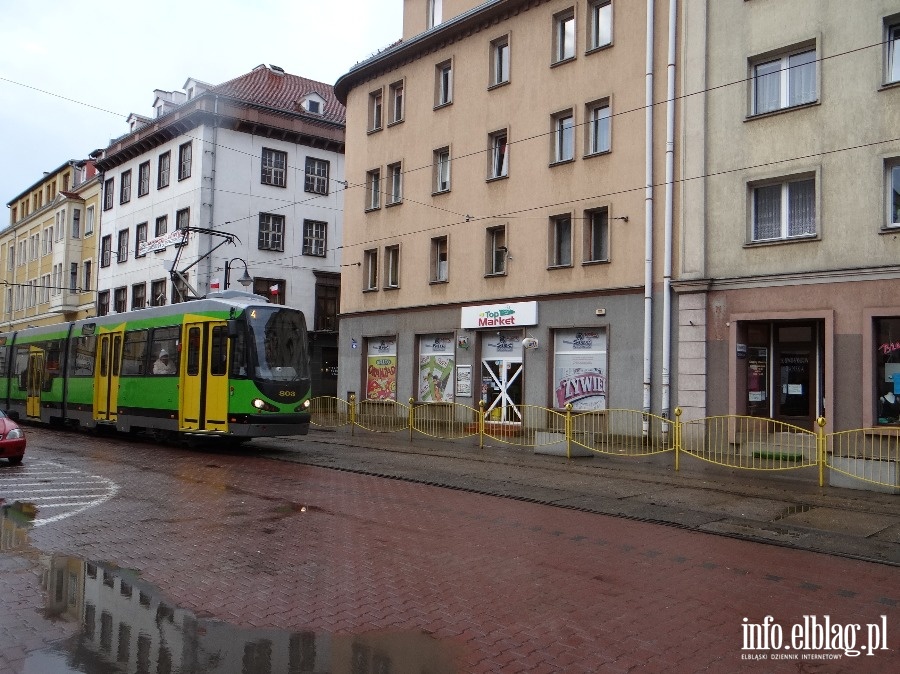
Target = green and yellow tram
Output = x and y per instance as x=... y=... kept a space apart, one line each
x=228 y=364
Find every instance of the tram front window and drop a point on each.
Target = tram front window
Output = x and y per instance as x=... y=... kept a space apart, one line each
x=278 y=340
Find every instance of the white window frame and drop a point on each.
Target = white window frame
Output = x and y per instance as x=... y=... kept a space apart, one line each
x=271 y=232
x=500 y=61
x=499 y=154
x=563 y=137
x=376 y=110
x=892 y=56
x=373 y=189
x=440 y=259
x=143 y=179
x=601 y=24
x=317 y=171
x=599 y=127
x=564 y=36
x=395 y=175
x=596 y=235
x=185 y=158
x=125 y=187
x=892 y=175
x=442 y=170
x=315 y=237
x=397 y=110
x=392 y=266
x=122 y=249
x=785 y=219
x=273 y=167
x=443 y=84
x=497 y=250
x=561 y=240
x=435 y=13
x=370 y=270
x=787 y=72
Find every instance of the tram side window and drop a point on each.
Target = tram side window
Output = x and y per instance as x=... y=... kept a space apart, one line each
x=134 y=352
x=20 y=367
x=4 y=355
x=81 y=356
x=164 y=351
x=239 y=355
x=219 y=351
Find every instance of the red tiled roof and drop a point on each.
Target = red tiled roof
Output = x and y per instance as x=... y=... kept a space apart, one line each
x=283 y=91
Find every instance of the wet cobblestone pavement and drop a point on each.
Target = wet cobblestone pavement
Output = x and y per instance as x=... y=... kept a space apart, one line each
x=233 y=562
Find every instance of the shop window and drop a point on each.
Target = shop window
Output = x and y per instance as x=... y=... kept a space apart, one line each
x=887 y=371
x=436 y=366
x=381 y=368
x=579 y=369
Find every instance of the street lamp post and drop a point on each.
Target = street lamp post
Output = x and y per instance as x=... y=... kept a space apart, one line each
x=245 y=280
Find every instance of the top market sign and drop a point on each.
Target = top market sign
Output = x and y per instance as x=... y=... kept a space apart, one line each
x=499 y=315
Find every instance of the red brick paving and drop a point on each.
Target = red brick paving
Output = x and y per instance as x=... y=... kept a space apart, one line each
x=503 y=585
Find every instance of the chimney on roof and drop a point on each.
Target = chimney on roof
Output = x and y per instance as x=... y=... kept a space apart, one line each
x=276 y=69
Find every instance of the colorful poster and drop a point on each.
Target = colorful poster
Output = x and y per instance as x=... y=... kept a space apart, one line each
x=580 y=369
x=381 y=374
x=436 y=365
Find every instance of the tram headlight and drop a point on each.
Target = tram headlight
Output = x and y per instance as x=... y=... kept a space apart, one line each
x=263 y=406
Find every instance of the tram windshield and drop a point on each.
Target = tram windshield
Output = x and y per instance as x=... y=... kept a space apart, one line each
x=278 y=340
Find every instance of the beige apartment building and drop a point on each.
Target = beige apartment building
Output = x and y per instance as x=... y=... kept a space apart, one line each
x=790 y=261
x=506 y=217
x=47 y=252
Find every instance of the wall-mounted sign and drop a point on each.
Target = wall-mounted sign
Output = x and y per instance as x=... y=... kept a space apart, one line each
x=499 y=315
x=464 y=381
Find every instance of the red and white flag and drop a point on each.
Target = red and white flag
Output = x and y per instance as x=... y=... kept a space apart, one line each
x=274 y=289
x=214 y=284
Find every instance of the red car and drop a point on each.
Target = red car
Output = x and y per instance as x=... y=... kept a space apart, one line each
x=12 y=440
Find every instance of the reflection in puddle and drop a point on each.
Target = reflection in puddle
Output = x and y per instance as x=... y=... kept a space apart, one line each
x=126 y=625
x=15 y=520
x=793 y=510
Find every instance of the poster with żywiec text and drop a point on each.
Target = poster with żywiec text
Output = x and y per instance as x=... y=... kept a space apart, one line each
x=579 y=372
x=436 y=363
x=381 y=368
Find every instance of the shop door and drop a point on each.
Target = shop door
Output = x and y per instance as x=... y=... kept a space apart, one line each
x=106 y=376
x=34 y=382
x=795 y=375
x=501 y=386
x=204 y=377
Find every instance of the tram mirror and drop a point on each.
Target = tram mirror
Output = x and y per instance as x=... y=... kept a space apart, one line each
x=232 y=326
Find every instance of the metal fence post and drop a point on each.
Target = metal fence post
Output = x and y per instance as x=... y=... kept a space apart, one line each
x=353 y=414
x=481 y=424
x=677 y=437
x=820 y=449
x=412 y=417
x=568 y=430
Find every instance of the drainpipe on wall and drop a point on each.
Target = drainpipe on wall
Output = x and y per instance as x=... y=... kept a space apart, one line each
x=648 y=223
x=212 y=185
x=670 y=185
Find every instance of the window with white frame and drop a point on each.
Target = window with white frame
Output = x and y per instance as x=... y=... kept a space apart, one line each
x=162 y=225
x=9 y=300
x=376 y=110
x=140 y=237
x=373 y=189
x=120 y=300
x=370 y=270
x=395 y=175
x=439 y=260
x=892 y=40
x=76 y=223
x=435 y=15
x=44 y=290
x=443 y=85
x=108 y=188
x=73 y=276
x=564 y=35
x=144 y=179
x=185 y=153
x=784 y=81
x=785 y=209
x=273 y=167
x=563 y=137
x=561 y=241
x=893 y=192
x=600 y=24
x=596 y=235
x=57 y=279
x=271 y=232
x=392 y=266
x=497 y=251
x=499 y=155
x=122 y=250
x=89 y=221
x=162 y=170
x=500 y=61
x=125 y=187
x=314 y=237
x=599 y=127
x=183 y=221
x=11 y=256
x=86 y=275
x=105 y=250
x=316 y=176
x=441 y=163
x=396 y=90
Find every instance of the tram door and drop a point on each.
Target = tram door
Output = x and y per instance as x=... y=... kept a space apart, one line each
x=106 y=375
x=34 y=382
x=204 y=377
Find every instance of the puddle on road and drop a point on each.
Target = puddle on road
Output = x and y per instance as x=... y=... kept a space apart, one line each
x=125 y=625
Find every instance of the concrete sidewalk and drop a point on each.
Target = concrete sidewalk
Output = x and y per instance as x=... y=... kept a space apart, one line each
x=782 y=508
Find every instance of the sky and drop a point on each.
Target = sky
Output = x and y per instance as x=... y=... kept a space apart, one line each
x=71 y=73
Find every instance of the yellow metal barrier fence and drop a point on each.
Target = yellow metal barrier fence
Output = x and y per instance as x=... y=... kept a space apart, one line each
x=871 y=455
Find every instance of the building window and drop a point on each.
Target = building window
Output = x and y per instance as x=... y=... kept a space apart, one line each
x=499 y=155
x=125 y=187
x=893 y=191
x=314 y=241
x=86 y=279
x=162 y=170
x=103 y=303
x=144 y=179
x=396 y=90
x=274 y=167
x=500 y=61
x=271 y=232
x=180 y=289
x=601 y=24
x=105 y=250
x=381 y=368
x=439 y=260
x=887 y=370
x=89 y=221
x=564 y=36
x=596 y=235
x=120 y=300
x=437 y=365
x=138 y=296
x=443 y=84
x=784 y=210
x=599 y=129
x=183 y=219
x=108 y=188
x=442 y=170
x=184 y=161
x=158 y=292
x=73 y=278
x=76 y=223
x=579 y=369
x=561 y=241
x=122 y=250
x=162 y=225
x=376 y=109
x=395 y=174
x=274 y=289
x=893 y=53
x=563 y=137
x=373 y=189
x=497 y=250
x=392 y=266
x=140 y=237
x=784 y=82
x=316 y=176
x=370 y=269
x=435 y=13
x=328 y=300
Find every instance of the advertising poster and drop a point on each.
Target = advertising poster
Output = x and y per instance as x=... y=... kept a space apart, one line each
x=464 y=381
x=436 y=365
x=381 y=369
x=579 y=373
